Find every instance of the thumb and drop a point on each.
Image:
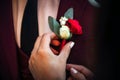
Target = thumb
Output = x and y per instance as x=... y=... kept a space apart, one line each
x=77 y=75
x=66 y=51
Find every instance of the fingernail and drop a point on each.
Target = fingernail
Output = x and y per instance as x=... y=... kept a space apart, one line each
x=73 y=70
x=72 y=44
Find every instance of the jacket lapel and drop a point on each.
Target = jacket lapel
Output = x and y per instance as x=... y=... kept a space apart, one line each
x=8 y=56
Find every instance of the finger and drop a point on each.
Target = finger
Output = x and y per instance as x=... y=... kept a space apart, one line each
x=54 y=51
x=66 y=51
x=70 y=78
x=46 y=39
x=36 y=45
x=77 y=75
x=81 y=69
x=32 y=68
x=31 y=63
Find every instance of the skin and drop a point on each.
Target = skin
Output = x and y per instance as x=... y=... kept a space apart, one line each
x=79 y=73
x=46 y=61
x=44 y=64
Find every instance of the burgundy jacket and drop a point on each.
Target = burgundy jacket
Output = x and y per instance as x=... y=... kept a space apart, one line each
x=14 y=63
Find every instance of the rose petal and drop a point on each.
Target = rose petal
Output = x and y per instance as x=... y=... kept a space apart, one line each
x=74 y=26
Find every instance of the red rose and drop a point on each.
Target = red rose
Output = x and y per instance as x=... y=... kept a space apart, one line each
x=74 y=26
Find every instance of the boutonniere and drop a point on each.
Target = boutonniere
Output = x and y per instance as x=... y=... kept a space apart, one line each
x=65 y=27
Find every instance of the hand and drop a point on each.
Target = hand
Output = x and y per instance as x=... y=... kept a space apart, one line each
x=44 y=64
x=79 y=72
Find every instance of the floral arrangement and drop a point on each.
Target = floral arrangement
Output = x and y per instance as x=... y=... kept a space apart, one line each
x=65 y=27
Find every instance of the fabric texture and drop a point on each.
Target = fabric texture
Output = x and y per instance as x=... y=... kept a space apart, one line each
x=14 y=62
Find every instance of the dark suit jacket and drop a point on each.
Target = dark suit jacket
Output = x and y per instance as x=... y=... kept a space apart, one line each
x=14 y=63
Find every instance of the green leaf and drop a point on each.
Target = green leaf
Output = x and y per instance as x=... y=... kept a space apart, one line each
x=54 y=25
x=69 y=13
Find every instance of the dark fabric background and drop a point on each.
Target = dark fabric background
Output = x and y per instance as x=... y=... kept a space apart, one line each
x=108 y=39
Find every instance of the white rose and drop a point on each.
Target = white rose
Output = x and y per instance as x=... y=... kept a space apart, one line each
x=63 y=20
x=64 y=32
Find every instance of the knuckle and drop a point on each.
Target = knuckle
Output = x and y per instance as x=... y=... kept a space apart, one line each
x=45 y=34
x=32 y=58
x=42 y=51
x=42 y=54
